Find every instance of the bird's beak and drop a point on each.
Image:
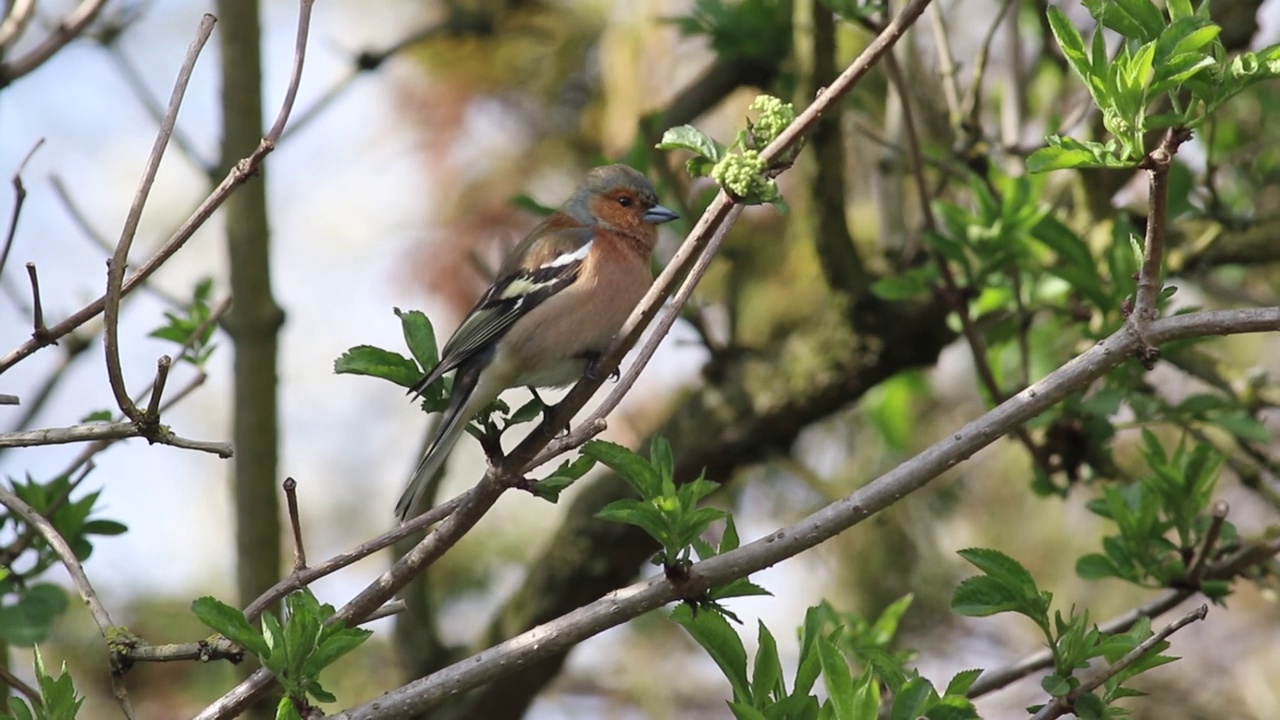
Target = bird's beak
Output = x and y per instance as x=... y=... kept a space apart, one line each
x=658 y=215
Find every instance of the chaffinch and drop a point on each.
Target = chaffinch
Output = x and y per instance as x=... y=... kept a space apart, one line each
x=559 y=299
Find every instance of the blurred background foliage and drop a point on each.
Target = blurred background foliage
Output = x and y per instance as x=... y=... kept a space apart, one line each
x=791 y=381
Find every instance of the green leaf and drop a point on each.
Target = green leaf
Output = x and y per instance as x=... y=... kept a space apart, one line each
x=334 y=647
x=1179 y=9
x=1243 y=425
x=810 y=662
x=286 y=711
x=550 y=487
x=104 y=527
x=29 y=620
x=1072 y=44
x=1095 y=567
x=1090 y=707
x=687 y=137
x=420 y=337
x=885 y=628
x=983 y=596
x=900 y=287
x=722 y=643
x=1055 y=685
x=838 y=679
x=1000 y=567
x=766 y=680
x=635 y=470
x=97 y=416
x=913 y=700
x=376 y=362
x=963 y=680
x=231 y=623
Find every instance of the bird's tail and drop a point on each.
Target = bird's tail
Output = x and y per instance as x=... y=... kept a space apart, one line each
x=462 y=406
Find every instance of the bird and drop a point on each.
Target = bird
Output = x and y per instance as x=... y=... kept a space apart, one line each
x=560 y=297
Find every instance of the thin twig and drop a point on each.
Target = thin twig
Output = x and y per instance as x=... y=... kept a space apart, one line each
x=1217 y=516
x=291 y=500
x=1063 y=704
x=15 y=23
x=220 y=648
x=19 y=197
x=959 y=302
x=236 y=176
x=1157 y=164
x=88 y=432
x=15 y=682
x=992 y=680
x=946 y=64
x=974 y=98
x=78 y=578
x=67 y=29
x=557 y=636
x=157 y=387
x=116 y=267
x=362 y=551
x=7 y=399
x=37 y=307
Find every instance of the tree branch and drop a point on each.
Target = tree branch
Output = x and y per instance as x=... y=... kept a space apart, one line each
x=81 y=581
x=617 y=607
x=67 y=29
x=1062 y=705
x=116 y=266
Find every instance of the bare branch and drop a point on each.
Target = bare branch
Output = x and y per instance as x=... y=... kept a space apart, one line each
x=87 y=432
x=37 y=307
x=7 y=399
x=81 y=581
x=15 y=682
x=67 y=29
x=116 y=267
x=621 y=605
x=1062 y=705
x=1157 y=164
x=236 y=176
x=19 y=197
x=364 y=550
x=157 y=387
x=291 y=500
x=15 y=22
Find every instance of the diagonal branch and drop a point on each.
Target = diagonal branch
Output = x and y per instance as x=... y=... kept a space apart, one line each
x=1062 y=705
x=622 y=605
x=236 y=176
x=67 y=29
x=116 y=266
x=78 y=578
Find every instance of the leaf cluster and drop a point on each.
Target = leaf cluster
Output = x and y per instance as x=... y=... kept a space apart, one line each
x=30 y=608
x=295 y=651
x=832 y=645
x=1169 y=71
x=185 y=327
x=58 y=697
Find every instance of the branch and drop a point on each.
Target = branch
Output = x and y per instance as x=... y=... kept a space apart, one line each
x=1157 y=164
x=116 y=266
x=19 y=197
x=68 y=557
x=1062 y=705
x=67 y=29
x=87 y=432
x=992 y=680
x=619 y=606
x=236 y=176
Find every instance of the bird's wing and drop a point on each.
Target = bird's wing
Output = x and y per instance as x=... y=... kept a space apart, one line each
x=523 y=285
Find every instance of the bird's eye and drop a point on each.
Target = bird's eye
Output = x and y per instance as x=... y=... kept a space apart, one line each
x=625 y=201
